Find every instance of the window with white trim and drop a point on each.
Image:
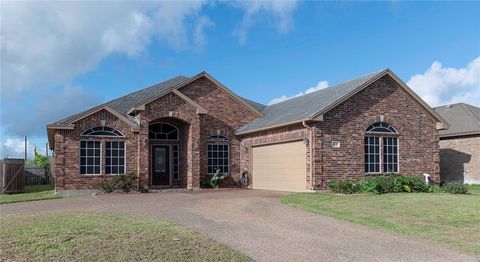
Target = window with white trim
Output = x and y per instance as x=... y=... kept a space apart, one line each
x=114 y=157
x=381 y=148
x=372 y=154
x=390 y=154
x=218 y=158
x=90 y=157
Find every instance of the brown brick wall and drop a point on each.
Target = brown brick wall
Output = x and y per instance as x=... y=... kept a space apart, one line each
x=67 y=151
x=174 y=110
x=225 y=115
x=460 y=159
x=287 y=133
x=418 y=136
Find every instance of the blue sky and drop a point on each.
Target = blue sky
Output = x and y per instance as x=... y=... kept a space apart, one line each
x=60 y=58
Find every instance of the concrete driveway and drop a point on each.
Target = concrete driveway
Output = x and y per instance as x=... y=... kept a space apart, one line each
x=258 y=225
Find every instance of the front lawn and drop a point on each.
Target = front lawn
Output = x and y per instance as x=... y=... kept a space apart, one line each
x=104 y=237
x=451 y=220
x=32 y=193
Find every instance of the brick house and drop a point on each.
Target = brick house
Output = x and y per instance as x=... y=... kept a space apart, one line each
x=180 y=131
x=460 y=144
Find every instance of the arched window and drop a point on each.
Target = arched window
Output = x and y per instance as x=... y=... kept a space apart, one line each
x=217 y=138
x=381 y=127
x=101 y=131
x=381 y=149
x=162 y=131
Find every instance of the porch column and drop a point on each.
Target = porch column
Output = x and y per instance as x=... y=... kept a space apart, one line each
x=143 y=153
x=193 y=154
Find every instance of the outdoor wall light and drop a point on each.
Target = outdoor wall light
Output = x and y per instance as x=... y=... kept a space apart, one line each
x=382 y=118
x=305 y=141
x=102 y=122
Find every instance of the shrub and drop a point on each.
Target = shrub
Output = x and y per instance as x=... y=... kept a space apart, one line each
x=414 y=184
x=126 y=182
x=217 y=178
x=344 y=186
x=213 y=181
x=107 y=185
x=205 y=182
x=394 y=183
x=455 y=188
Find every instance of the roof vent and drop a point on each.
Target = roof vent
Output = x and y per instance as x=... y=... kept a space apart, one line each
x=449 y=106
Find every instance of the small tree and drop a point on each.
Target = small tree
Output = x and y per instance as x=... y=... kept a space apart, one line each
x=41 y=161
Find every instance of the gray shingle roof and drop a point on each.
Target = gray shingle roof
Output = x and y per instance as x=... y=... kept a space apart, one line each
x=255 y=105
x=305 y=106
x=463 y=119
x=124 y=103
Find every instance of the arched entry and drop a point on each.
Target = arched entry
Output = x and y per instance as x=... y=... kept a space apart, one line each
x=167 y=140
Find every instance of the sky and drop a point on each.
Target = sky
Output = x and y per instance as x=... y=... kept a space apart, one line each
x=59 y=58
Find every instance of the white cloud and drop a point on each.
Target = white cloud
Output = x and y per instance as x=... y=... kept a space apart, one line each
x=320 y=85
x=280 y=11
x=46 y=45
x=25 y=117
x=53 y=42
x=440 y=85
x=15 y=148
x=199 y=38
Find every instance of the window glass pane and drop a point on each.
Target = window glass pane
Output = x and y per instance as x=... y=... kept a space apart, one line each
x=372 y=155
x=89 y=157
x=218 y=158
x=115 y=157
x=390 y=154
x=163 y=131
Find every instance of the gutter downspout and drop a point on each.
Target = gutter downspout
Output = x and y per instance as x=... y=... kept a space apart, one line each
x=310 y=141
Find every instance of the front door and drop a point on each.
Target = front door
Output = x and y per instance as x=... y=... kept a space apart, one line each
x=160 y=166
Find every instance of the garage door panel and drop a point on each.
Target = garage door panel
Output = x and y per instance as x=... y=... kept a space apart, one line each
x=279 y=167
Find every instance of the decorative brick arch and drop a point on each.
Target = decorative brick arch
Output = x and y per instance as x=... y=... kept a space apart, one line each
x=376 y=119
x=172 y=108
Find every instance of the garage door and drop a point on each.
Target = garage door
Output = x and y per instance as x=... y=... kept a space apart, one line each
x=279 y=167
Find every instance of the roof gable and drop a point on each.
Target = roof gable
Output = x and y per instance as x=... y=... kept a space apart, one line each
x=253 y=107
x=141 y=106
x=312 y=106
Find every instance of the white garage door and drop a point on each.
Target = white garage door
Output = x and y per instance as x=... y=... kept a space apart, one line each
x=279 y=167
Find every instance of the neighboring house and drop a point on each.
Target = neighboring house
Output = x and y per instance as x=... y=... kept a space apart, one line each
x=176 y=132
x=460 y=144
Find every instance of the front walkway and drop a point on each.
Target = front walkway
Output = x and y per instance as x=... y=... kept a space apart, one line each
x=258 y=225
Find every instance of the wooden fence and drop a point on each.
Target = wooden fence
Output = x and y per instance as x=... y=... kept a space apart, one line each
x=36 y=176
x=12 y=176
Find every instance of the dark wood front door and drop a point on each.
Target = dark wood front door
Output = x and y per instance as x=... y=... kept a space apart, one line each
x=160 y=165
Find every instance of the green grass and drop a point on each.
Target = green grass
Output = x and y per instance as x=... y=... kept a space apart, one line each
x=32 y=193
x=446 y=219
x=104 y=237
